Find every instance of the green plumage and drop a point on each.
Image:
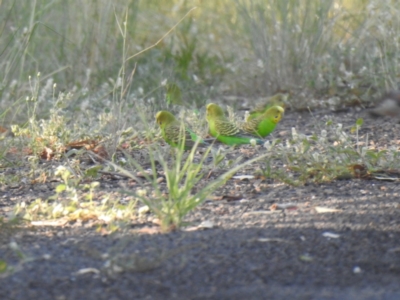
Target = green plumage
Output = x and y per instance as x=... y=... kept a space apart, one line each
x=278 y=99
x=265 y=123
x=225 y=131
x=175 y=134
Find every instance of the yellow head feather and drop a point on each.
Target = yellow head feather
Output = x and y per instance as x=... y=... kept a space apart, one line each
x=213 y=110
x=275 y=112
x=164 y=117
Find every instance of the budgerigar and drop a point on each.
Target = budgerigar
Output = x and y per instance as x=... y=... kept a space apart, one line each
x=278 y=99
x=225 y=131
x=265 y=123
x=175 y=134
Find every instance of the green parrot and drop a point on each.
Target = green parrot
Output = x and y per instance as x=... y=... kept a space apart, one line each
x=172 y=132
x=225 y=131
x=278 y=99
x=265 y=123
x=174 y=95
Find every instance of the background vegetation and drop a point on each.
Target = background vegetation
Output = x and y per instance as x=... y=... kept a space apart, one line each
x=237 y=47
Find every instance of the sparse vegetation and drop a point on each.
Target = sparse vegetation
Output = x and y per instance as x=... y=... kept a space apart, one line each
x=328 y=155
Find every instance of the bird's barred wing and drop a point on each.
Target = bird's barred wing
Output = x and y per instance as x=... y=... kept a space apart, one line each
x=251 y=125
x=175 y=133
x=224 y=127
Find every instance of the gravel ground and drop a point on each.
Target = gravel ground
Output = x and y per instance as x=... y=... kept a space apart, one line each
x=251 y=252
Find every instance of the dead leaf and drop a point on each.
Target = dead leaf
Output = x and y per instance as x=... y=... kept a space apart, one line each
x=206 y=225
x=282 y=206
x=322 y=209
x=87 y=144
x=101 y=151
x=203 y=225
x=16 y=151
x=42 y=178
x=331 y=235
x=47 y=153
x=143 y=210
x=87 y=270
x=384 y=178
